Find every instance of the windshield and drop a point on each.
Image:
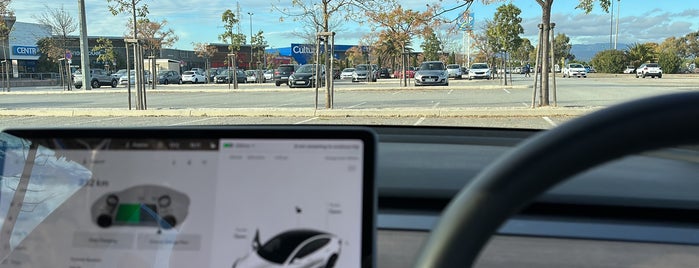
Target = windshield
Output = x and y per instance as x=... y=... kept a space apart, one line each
x=432 y=66
x=369 y=35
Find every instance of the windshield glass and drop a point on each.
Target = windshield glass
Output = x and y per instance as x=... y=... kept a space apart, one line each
x=369 y=35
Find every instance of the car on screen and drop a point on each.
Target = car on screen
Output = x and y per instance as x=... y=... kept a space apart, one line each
x=479 y=71
x=649 y=69
x=305 y=76
x=294 y=248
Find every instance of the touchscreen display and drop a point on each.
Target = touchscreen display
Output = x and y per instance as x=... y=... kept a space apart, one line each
x=228 y=202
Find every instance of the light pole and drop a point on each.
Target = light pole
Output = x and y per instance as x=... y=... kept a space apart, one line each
x=250 y=13
x=611 y=24
x=616 y=38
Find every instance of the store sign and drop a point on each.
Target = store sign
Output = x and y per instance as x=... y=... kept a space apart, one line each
x=25 y=50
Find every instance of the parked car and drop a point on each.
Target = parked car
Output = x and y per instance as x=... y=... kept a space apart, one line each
x=269 y=75
x=346 y=73
x=169 y=77
x=305 y=76
x=432 y=73
x=364 y=72
x=123 y=79
x=118 y=74
x=479 y=71
x=649 y=69
x=281 y=75
x=294 y=248
x=212 y=72
x=454 y=71
x=384 y=73
x=409 y=72
x=98 y=78
x=574 y=69
x=629 y=70
x=226 y=76
x=251 y=76
x=193 y=77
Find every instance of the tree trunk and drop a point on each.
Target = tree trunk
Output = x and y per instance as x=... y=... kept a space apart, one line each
x=546 y=46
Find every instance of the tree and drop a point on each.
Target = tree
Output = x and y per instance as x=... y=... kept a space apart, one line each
x=505 y=31
x=234 y=41
x=400 y=25
x=61 y=24
x=117 y=7
x=431 y=47
x=206 y=51
x=669 y=61
x=154 y=35
x=640 y=53
x=610 y=61
x=524 y=51
x=258 y=41
x=546 y=5
x=561 y=49
x=108 y=54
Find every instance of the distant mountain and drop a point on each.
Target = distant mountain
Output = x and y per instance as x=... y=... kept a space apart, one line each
x=587 y=51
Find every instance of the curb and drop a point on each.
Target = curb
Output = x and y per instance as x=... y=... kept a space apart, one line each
x=309 y=112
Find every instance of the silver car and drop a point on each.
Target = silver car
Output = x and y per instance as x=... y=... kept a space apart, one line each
x=432 y=73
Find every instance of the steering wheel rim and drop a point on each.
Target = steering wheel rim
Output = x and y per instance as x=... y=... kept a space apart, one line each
x=534 y=166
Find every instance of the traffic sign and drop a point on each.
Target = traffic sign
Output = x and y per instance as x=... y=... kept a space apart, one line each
x=68 y=54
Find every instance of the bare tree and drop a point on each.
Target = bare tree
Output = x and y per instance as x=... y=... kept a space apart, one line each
x=61 y=24
x=154 y=34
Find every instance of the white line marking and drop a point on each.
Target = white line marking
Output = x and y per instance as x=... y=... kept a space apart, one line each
x=419 y=121
x=193 y=121
x=394 y=93
x=508 y=92
x=435 y=105
x=305 y=121
x=550 y=121
x=525 y=105
x=350 y=107
x=282 y=105
x=450 y=91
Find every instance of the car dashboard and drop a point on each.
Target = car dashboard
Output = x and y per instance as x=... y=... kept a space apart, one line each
x=639 y=211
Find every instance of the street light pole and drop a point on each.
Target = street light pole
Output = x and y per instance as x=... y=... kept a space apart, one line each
x=616 y=38
x=250 y=64
x=611 y=24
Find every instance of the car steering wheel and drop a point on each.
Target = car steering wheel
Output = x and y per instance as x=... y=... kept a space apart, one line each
x=548 y=158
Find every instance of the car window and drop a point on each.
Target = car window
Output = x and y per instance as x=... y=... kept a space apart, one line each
x=432 y=66
x=479 y=66
x=311 y=247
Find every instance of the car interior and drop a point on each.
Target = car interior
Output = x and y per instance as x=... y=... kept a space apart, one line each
x=615 y=188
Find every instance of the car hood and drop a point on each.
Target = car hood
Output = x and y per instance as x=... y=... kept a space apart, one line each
x=478 y=70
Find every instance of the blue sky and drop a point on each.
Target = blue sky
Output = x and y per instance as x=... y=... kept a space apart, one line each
x=199 y=20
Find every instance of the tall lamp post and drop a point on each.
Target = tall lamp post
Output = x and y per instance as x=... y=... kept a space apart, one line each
x=251 y=48
x=616 y=38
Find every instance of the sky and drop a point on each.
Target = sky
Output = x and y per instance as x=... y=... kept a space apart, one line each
x=200 y=20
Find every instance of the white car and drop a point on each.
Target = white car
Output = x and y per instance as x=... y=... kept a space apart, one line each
x=123 y=79
x=346 y=73
x=193 y=77
x=301 y=248
x=268 y=75
x=649 y=69
x=454 y=71
x=629 y=70
x=479 y=70
x=574 y=69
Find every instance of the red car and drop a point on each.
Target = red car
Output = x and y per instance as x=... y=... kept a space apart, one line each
x=410 y=73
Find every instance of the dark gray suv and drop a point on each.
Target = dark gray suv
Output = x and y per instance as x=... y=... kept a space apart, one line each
x=281 y=74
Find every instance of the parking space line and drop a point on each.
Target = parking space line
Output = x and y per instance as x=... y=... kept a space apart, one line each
x=450 y=91
x=508 y=92
x=282 y=105
x=356 y=105
x=394 y=93
x=525 y=105
x=435 y=105
x=419 y=121
x=306 y=121
x=547 y=119
x=192 y=121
